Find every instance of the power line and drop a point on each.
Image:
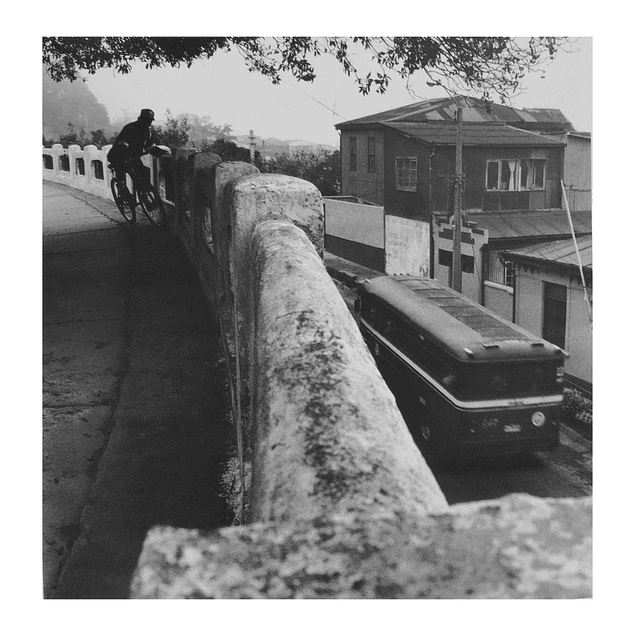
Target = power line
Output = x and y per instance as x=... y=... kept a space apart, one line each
x=337 y=114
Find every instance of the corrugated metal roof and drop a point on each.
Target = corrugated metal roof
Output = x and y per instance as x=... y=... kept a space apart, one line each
x=528 y=224
x=474 y=111
x=473 y=135
x=557 y=251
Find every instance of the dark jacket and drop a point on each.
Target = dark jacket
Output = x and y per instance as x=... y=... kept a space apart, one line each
x=139 y=138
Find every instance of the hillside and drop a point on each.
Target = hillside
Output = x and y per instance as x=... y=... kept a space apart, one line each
x=65 y=103
x=271 y=146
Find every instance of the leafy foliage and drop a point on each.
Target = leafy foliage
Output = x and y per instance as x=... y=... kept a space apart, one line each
x=202 y=130
x=175 y=134
x=576 y=408
x=321 y=169
x=227 y=150
x=98 y=138
x=486 y=67
x=78 y=136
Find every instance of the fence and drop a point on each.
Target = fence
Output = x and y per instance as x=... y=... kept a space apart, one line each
x=337 y=500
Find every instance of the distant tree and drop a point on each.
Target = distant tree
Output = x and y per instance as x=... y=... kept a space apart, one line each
x=175 y=134
x=487 y=67
x=202 y=129
x=98 y=138
x=321 y=169
x=227 y=150
x=73 y=136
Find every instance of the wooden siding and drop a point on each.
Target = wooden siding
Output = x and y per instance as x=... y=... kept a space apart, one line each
x=360 y=182
x=416 y=205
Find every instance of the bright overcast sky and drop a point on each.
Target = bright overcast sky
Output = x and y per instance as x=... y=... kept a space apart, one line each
x=223 y=89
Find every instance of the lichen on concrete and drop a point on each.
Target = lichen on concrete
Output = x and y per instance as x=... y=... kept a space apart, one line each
x=328 y=433
x=497 y=549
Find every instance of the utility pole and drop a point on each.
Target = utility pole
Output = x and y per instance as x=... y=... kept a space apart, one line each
x=458 y=199
x=252 y=146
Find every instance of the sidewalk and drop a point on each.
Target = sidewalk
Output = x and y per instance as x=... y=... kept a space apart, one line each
x=136 y=431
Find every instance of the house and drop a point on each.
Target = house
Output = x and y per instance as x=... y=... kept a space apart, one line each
x=517 y=167
x=514 y=162
x=362 y=140
x=551 y=300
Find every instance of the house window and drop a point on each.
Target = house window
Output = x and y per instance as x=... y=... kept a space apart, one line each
x=554 y=316
x=353 y=159
x=371 y=154
x=79 y=167
x=445 y=260
x=406 y=173
x=48 y=161
x=516 y=175
x=508 y=273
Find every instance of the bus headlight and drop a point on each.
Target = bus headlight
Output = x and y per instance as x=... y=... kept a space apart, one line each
x=538 y=419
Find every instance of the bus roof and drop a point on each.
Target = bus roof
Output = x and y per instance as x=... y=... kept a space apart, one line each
x=466 y=330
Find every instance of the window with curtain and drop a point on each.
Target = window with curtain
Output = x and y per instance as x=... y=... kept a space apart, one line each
x=516 y=175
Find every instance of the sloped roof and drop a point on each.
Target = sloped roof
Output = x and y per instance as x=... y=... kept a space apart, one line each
x=475 y=135
x=474 y=111
x=561 y=252
x=532 y=224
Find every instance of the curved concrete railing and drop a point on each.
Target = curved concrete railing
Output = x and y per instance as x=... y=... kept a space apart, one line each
x=341 y=503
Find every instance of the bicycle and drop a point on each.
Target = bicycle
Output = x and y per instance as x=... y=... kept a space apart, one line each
x=143 y=195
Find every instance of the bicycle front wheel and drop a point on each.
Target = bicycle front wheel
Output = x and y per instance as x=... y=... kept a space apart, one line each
x=121 y=200
x=152 y=206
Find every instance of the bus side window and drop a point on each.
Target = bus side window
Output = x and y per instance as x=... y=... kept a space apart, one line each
x=404 y=337
x=368 y=311
x=382 y=323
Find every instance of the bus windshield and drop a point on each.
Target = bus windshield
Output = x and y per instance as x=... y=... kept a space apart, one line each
x=503 y=380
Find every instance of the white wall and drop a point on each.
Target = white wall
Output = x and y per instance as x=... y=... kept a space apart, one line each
x=88 y=182
x=407 y=246
x=499 y=298
x=529 y=313
x=470 y=282
x=577 y=172
x=353 y=221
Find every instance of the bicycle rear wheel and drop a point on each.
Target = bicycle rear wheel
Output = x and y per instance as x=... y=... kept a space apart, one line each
x=123 y=203
x=152 y=206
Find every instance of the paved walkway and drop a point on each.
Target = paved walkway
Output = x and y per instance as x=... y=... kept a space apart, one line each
x=136 y=431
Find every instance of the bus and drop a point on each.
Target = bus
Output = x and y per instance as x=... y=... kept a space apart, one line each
x=477 y=384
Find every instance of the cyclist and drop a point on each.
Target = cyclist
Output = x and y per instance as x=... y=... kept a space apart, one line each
x=134 y=140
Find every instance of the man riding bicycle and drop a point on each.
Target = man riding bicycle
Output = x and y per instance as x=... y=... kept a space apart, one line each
x=135 y=140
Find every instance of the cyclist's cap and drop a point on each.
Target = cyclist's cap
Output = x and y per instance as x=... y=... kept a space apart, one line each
x=146 y=113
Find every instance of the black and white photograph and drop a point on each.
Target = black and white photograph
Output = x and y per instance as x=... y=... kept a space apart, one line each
x=317 y=320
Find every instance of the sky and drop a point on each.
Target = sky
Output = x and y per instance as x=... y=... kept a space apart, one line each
x=224 y=90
